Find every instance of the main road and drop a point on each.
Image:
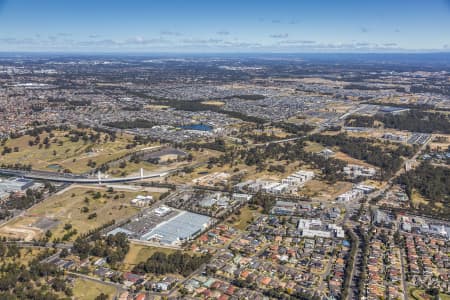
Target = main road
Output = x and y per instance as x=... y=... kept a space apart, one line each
x=70 y=178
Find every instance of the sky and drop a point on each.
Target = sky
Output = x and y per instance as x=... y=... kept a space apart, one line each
x=225 y=26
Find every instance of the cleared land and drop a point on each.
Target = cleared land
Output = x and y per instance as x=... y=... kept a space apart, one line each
x=74 y=206
x=242 y=220
x=323 y=191
x=212 y=102
x=140 y=253
x=87 y=290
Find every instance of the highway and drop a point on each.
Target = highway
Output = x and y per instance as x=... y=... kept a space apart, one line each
x=70 y=178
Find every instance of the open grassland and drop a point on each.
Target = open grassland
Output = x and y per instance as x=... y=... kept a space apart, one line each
x=418 y=200
x=244 y=218
x=324 y=191
x=419 y=294
x=440 y=142
x=133 y=168
x=215 y=103
x=87 y=290
x=81 y=207
x=350 y=160
x=63 y=152
x=140 y=253
x=313 y=147
x=26 y=256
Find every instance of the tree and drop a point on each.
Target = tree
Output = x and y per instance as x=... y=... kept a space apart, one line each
x=102 y=296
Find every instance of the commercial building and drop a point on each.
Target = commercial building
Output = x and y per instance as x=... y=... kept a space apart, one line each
x=182 y=227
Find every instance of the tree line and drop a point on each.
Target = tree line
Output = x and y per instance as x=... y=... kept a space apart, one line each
x=413 y=120
x=161 y=263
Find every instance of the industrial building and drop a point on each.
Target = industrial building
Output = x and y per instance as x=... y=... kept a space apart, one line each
x=8 y=186
x=165 y=225
x=182 y=227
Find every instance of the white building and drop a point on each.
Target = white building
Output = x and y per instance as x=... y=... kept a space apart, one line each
x=354 y=171
x=353 y=194
x=337 y=230
x=298 y=178
x=308 y=223
x=315 y=233
x=162 y=211
x=243 y=198
x=142 y=201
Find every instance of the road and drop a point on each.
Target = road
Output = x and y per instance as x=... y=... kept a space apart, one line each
x=58 y=177
x=91 y=278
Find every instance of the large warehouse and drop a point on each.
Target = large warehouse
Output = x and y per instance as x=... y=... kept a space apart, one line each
x=179 y=228
x=165 y=225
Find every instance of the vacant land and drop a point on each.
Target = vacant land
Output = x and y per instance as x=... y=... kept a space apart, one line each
x=350 y=160
x=83 y=208
x=62 y=151
x=418 y=200
x=244 y=218
x=419 y=294
x=140 y=253
x=212 y=102
x=320 y=190
x=87 y=290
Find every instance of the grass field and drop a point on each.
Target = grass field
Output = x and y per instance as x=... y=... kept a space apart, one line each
x=26 y=256
x=244 y=219
x=140 y=253
x=314 y=147
x=64 y=153
x=323 y=191
x=87 y=290
x=215 y=103
x=417 y=199
x=419 y=294
x=350 y=160
x=66 y=207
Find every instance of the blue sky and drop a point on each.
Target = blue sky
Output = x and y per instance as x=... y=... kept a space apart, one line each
x=225 y=26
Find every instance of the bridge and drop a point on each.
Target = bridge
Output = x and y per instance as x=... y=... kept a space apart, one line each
x=72 y=178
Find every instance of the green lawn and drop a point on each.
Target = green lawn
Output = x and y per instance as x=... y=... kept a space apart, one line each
x=88 y=290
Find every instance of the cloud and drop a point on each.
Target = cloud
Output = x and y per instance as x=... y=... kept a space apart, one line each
x=279 y=36
x=18 y=41
x=170 y=33
x=313 y=46
x=223 y=32
x=297 y=42
x=64 y=34
x=99 y=43
x=202 y=41
x=139 y=40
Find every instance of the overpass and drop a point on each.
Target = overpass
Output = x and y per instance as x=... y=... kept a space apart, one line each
x=71 y=178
